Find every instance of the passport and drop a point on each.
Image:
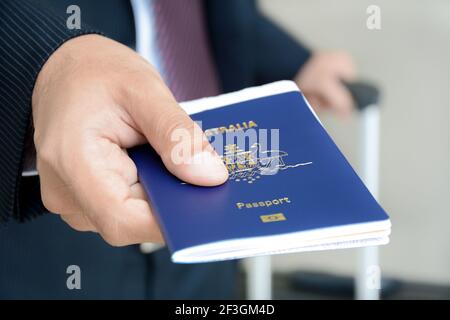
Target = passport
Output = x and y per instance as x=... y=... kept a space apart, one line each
x=289 y=189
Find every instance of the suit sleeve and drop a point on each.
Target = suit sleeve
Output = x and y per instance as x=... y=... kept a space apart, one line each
x=28 y=36
x=278 y=55
x=248 y=48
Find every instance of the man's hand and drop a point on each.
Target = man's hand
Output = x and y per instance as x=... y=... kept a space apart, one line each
x=93 y=99
x=321 y=78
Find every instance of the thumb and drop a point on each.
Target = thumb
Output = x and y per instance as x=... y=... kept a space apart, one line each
x=179 y=141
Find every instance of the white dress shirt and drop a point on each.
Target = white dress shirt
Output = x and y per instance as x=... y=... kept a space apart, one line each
x=146 y=44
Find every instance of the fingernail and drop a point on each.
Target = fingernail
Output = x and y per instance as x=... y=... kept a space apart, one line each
x=207 y=168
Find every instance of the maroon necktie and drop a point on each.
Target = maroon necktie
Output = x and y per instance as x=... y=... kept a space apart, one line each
x=187 y=63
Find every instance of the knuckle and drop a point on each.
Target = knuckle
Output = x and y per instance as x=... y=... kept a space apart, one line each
x=76 y=226
x=175 y=121
x=113 y=240
x=49 y=201
x=112 y=235
x=45 y=154
x=170 y=128
x=140 y=88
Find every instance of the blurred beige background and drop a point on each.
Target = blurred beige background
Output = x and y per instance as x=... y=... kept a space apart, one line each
x=410 y=59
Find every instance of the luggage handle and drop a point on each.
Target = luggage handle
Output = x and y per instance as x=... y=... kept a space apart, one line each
x=364 y=94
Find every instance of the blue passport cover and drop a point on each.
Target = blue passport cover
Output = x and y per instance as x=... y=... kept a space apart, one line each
x=314 y=188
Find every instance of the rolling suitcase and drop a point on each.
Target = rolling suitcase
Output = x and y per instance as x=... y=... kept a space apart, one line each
x=367 y=280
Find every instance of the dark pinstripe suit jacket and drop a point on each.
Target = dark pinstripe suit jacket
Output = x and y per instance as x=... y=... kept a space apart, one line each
x=248 y=50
